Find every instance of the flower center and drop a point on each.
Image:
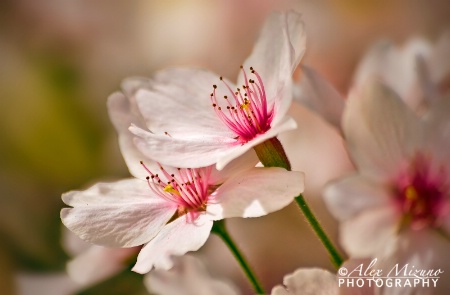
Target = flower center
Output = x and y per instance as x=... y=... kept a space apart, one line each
x=246 y=113
x=186 y=187
x=422 y=194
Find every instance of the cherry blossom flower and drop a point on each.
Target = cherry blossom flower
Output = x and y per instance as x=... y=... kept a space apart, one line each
x=194 y=119
x=188 y=276
x=170 y=210
x=98 y=263
x=312 y=281
x=316 y=281
x=418 y=72
x=401 y=189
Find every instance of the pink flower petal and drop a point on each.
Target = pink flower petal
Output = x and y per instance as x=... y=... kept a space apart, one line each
x=381 y=131
x=312 y=281
x=122 y=115
x=255 y=193
x=437 y=131
x=354 y=194
x=363 y=235
x=278 y=51
x=320 y=96
x=394 y=66
x=417 y=250
x=179 y=103
x=176 y=238
x=238 y=165
x=188 y=277
x=119 y=214
x=98 y=263
x=193 y=152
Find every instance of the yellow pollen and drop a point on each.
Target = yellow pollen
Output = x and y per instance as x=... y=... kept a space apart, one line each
x=411 y=193
x=169 y=189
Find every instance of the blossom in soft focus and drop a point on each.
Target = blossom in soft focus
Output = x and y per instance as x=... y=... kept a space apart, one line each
x=170 y=210
x=418 y=71
x=397 y=203
x=194 y=119
x=188 y=276
x=98 y=263
x=92 y=264
x=316 y=281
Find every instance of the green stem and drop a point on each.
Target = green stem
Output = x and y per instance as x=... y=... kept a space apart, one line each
x=335 y=257
x=220 y=229
x=271 y=154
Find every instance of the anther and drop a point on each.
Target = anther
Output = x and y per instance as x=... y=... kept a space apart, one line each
x=221 y=78
x=214 y=86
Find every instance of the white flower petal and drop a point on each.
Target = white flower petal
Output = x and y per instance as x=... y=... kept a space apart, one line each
x=131 y=85
x=283 y=101
x=255 y=193
x=354 y=194
x=176 y=238
x=308 y=281
x=439 y=61
x=238 y=165
x=417 y=250
x=191 y=152
x=278 y=51
x=363 y=235
x=287 y=124
x=320 y=96
x=437 y=132
x=122 y=115
x=396 y=67
x=381 y=131
x=98 y=263
x=179 y=103
x=120 y=214
x=188 y=277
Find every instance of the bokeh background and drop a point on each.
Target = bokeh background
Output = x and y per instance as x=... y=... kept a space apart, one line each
x=59 y=61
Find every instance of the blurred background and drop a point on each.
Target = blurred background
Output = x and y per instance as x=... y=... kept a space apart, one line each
x=59 y=61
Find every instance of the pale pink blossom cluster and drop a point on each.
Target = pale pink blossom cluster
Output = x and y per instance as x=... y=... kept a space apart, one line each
x=188 y=138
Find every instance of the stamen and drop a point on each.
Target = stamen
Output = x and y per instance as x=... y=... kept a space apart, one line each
x=188 y=188
x=250 y=115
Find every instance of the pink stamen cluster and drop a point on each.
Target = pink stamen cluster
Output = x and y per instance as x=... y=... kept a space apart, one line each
x=186 y=187
x=247 y=113
x=422 y=194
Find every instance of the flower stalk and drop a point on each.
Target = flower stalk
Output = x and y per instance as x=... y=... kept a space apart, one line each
x=271 y=154
x=220 y=229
